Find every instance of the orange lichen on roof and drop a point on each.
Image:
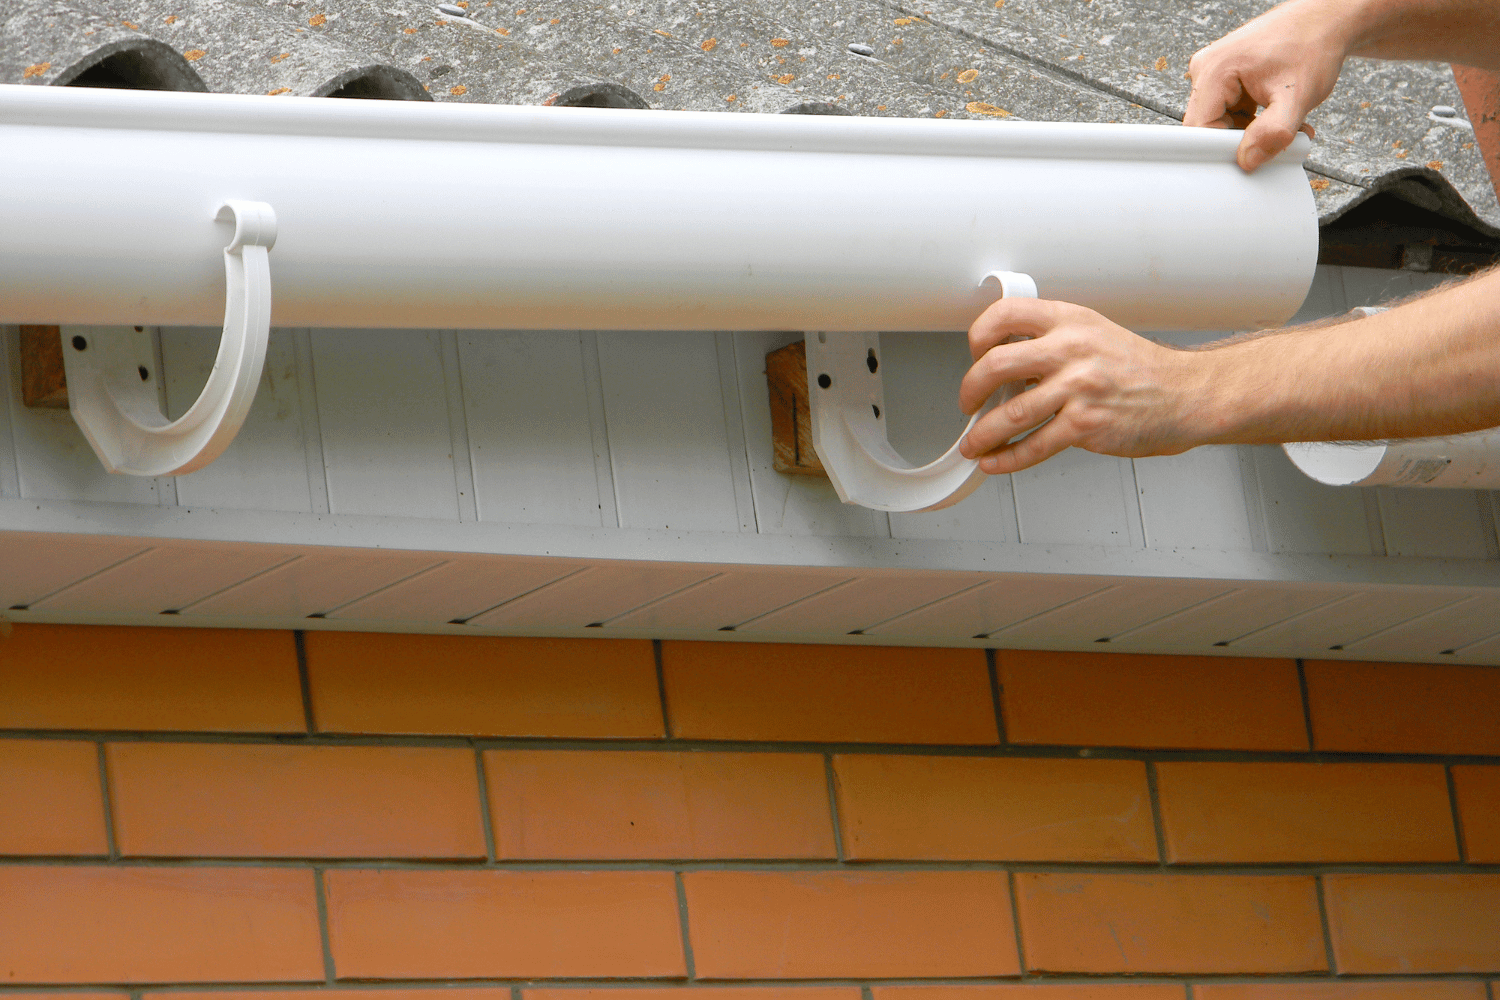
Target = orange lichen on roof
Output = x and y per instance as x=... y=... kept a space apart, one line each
x=278 y=90
x=981 y=108
x=708 y=44
x=35 y=69
x=459 y=90
x=1161 y=63
x=317 y=20
x=1319 y=183
x=780 y=43
x=193 y=55
x=786 y=78
x=968 y=76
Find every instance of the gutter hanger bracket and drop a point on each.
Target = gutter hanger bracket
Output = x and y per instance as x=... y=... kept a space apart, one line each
x=847 y=398
x=112 y=378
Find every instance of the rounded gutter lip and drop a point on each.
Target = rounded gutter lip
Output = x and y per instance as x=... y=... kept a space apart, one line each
x=476 y=122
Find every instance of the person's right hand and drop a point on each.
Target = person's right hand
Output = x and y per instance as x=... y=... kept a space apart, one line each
x=1286 y=62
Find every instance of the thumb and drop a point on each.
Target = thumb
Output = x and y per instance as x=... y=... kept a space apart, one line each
x=1272 y=131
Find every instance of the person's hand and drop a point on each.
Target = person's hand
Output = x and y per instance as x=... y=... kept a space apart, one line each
x=1105 y=389
x=1286 y=62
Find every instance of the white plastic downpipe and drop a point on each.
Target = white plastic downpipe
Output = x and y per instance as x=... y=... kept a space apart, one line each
x=1461 y=461
x=583 y=218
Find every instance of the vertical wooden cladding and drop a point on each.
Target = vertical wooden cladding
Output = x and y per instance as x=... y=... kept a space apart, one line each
x=43 y=381
x=791 y=426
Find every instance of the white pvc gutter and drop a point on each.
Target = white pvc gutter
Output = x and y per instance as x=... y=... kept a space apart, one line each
x=392 y=214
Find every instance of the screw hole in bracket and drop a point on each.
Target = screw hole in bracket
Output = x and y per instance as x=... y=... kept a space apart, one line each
x=872 y=362
x=145 y=374
x=824 y=381
x=876 y=409
x=80 y=344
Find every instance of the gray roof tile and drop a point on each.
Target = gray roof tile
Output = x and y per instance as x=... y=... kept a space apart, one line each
x=1104 y=61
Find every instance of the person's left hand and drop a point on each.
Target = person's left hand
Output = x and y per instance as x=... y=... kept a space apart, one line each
x=1104 y=389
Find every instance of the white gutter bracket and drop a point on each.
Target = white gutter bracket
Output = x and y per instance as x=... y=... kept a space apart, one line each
x=112 y=381
x=846 y=393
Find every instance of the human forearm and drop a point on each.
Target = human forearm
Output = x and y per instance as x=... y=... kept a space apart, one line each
x=1430 y=366
x=1461 y=31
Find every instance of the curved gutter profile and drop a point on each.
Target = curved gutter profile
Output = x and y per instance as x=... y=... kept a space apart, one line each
x=606 y=218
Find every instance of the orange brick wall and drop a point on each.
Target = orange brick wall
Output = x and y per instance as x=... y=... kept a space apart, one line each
x=192 y=814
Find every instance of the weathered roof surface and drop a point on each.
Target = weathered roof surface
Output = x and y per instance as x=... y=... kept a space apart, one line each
x=1101 y=60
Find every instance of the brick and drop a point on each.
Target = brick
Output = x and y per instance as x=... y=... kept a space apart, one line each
x=863 y=924
x=206 y=800
x=701 y=993
x=651 y=804
x=1404 y=707
x=56 y=779
x=112 y=677
x=483 y=686
x=1184 y=702
x=63 y=924
x=1306 y=813
x=404 y=924
x=1478 y=791
x=1047 y=991
x=1414 y=923
x=1404 y=989
x=404 y=993
x=853 y=694
x=1179 y=923
x=1001 y=809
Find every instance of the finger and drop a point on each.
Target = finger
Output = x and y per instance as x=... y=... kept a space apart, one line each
x=1028 y=359
x=1212 y=95
x=1242 y=113
x=1272 y=131
x=1011 y=318
x=1016 y=415
x=1038 y=446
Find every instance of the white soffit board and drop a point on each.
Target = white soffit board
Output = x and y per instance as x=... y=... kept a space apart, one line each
x=313 y=584
x=164 y=579
x=31 y=567
x=1346 y=621
x=591 y=596
x=1460 y=625
x=862 y=603
x=456 y=591
x=1110 y=612
x=730 y=599
x=990 y=607
x=1225 y=618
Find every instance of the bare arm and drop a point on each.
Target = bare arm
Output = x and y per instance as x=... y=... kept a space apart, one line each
x=1287 y=60
x=1427 y=367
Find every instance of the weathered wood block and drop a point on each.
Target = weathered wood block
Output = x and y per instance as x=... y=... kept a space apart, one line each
x=791 y=420
x=43 y=380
